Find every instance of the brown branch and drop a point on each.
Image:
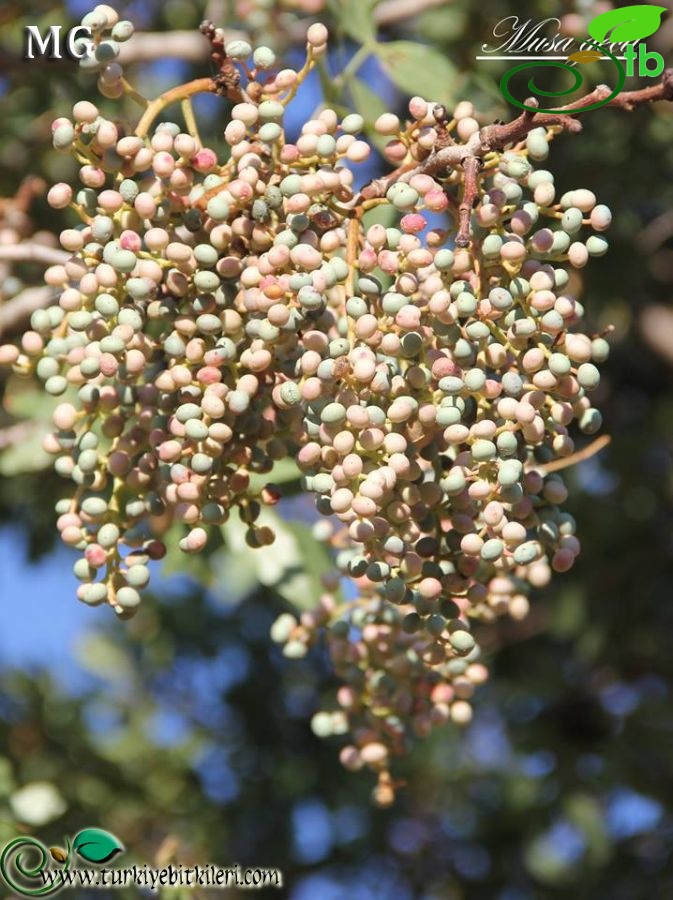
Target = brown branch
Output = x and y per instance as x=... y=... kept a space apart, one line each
x=471 y=167
x=228 y=78
x=661 y=91
x=501 y=135
x=497 y=137
x=379 y=186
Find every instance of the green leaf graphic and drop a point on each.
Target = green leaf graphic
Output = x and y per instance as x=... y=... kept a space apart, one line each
x=630 y=23
x=95 y=845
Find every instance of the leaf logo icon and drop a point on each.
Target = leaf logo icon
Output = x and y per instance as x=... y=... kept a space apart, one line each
x=630 y=23
x=96 y=846
x=585 y=56
x=59 y=854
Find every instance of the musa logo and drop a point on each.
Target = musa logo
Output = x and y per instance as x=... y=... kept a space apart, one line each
x=25 y=863
x=630 y=23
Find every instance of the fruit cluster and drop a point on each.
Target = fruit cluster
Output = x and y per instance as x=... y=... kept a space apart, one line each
x=220 y=313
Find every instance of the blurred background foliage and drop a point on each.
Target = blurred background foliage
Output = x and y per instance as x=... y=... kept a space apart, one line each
x=185 y=732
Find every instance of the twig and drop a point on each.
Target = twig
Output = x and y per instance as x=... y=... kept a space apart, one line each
x=586 y=453
x=226 y=82
x=190 y=119
x=379 y=186
x=471 y=167
x=181 y=92
x=228 y=78
x=499 y=136
x=351 y=256
x=134 y=95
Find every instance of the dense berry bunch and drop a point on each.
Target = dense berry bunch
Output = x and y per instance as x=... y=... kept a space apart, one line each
x=219 y=314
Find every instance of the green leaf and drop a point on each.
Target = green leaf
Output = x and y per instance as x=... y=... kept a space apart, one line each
x=24 y=451
x=443 y=24
x=104 y=658
x=97 y=846
x=481 y=83
x=630 y=23
x=301 y=584
x=27 y=454
x=366 y=102
x=370 y=106
x=234 y=567
x=329 y=88
x=25 y=400
x=356 y=19
x=291 y=566
x=419 y=69
x=176 y=562
x=284 y=471
x=384 y=214
x=584 y=811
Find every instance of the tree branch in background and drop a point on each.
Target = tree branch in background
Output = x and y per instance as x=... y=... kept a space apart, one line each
x=32 y=252
x=15 y=311
x=656 y=326
x=30 y=187
x=16 y=434
x=656 y=232
x=190 y=46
